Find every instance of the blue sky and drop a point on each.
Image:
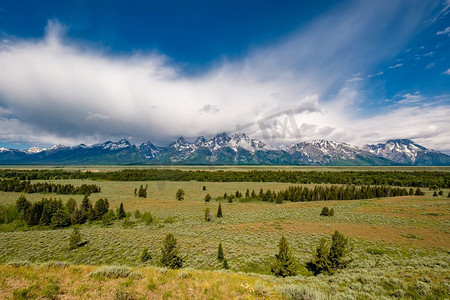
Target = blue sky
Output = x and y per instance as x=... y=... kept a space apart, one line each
x=350 y=71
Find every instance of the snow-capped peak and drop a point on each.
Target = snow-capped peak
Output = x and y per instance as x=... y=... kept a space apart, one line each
x=34 y=150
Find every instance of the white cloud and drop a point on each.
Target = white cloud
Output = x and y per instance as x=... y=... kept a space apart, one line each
x=447 y=72
x=411 y=98
x=395 y=66
x=445 y=31
x=56 y=91
x=375 y=75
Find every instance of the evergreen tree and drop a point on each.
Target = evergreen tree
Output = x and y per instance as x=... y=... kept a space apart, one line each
x=207 y=198
x=60 y=219
x=247 y=193
x=142 y=191
x=331 y=212
x=419 y=192
x=71 y=206
x=101 y=207
x=219 y=211
x=180 y=195
x=204 y=188
x=169 y=253
x=220 y=255
x=74 y=238
x=441 y=193
x=135 y=192
x=253 y=195
x=225 y=196
x=22 y=206
x=121 y=212
x=225 y=264
x=435 y=194
x=448 y=196
x=284 y=262
x=411 y=191
x=338 y=250
x=320 y=262
x=86 y=209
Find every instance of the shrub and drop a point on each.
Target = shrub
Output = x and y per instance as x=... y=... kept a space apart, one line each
x=169 y=253
x=145 y=256
x=51 y=291
x=297 y=292
x=207 y=198
x=180 y=195
x=284 y=264
x=207 y=214
x=74 y=238
x=327 y=212
x=23 y=294
x=147 y=218
x=122 y=294
x=108 y=217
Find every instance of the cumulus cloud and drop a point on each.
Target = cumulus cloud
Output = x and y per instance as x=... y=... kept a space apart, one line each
x=447 y=72
x=54 y=90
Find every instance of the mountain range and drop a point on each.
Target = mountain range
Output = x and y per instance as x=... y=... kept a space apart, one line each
x=237 y=149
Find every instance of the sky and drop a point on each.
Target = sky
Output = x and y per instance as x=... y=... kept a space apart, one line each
x=359 y=72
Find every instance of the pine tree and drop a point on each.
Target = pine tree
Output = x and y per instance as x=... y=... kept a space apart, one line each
x=180 y=195
x=86 y=209
x=169 y=253
x=219 y=211
x=121 y=212
x=74 y=238
x=101 y=207
x=204 y=188
x=225 y=264
x=320 y=262
x=220 y=255
x=284 y=262
x=207 y=198
x=60 y=218
x=247 y=193
x=338 y=250
x=435 y=194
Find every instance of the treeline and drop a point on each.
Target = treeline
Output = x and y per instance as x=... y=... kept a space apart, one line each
x=426 y=179
x=320 y=193
x=54 y=213
x=25 y=186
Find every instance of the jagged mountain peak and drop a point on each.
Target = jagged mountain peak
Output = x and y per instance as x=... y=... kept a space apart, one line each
x=238 y=148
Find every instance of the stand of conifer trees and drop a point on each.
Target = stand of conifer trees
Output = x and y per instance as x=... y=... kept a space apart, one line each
x=15 y=185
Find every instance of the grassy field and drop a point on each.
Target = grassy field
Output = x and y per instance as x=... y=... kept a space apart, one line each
x=401 y=247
